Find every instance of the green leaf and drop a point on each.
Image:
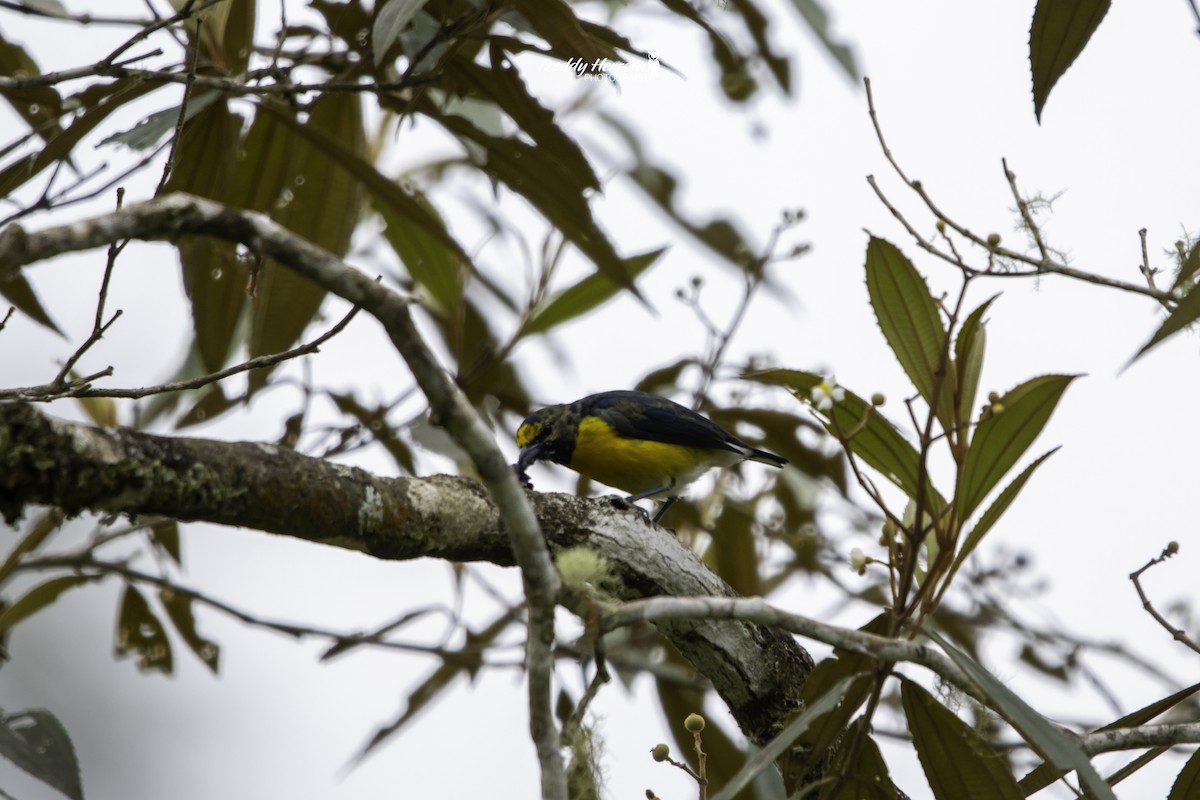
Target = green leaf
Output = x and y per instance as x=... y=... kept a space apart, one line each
x=1050 y=741
x=322 y=201
x=866 y=778
x=100 y=410
x=1060 y=30
x=39 y=597
x=17 y=290
x=584 y=296
x=149 y=132
x=555 y=21
x=205 y=162
x=60 y=146
x=1187 y=312
x=1002 y=438
x=45 y=525
x=956 y=759
x=1046 y=774
x=432 y=265
x=164 y=535
x=391 y=17
x=818 y=22
x=140 y=631
x=39 y=106
x=36 y=742
x=993 y=513
x=912 y=324
x=1187 y=782
x=783 y=741
x=969 y=348
x=1189 y=267
x=179 y=611
x=731 y=553
x=879 y=444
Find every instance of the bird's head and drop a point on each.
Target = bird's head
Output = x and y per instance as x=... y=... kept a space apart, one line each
x=545 y=435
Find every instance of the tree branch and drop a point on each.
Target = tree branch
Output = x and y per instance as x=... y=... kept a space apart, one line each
x=758 y=671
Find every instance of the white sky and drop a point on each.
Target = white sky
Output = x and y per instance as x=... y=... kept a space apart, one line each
x=952 y=86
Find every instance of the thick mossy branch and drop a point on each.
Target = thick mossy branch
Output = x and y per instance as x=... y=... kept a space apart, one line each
x=757 y=671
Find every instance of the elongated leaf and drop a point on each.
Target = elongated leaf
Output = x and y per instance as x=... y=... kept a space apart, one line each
x=1186 y=313
x=866 y=776
x=149 y=132
x=39 y=597
x=1001 y=439
x=179 y=610
x=1060 y=30
x=909 y=318
x=555 y=21
x=1050 y=741
x=140 y=631
x=1046 y=774
x=969 y=348
x=37 y=742
x=321 y=201
x=391 y=17
x=164 y=535
x=783 y=741
x=818 y=22
x=1187 y=782
x=17 y=290
x=60 y=146
x=584 y=296
x=39 y=106
x=46 y=524
x=993 y=513
x=205 y=160
x=956 y=759
x=879 y=444
x=434 y=267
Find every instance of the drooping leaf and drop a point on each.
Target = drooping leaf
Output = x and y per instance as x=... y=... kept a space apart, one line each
x=957 y=761
x=436 y=269
x=39 y=106
x=1060 y=30
x=46 y=524
x=37 y=742
x=584 y=296
x=818 y=22
x=164 y=535
x=391 y=17
x=1049 y=740
x=765 y=757
x=17 y=290
x=149 y=131
x=100 y=410
x=321 y=202
x=993 y=513
x=969 y=348
x=179 y=611
x=205 y=159
x=759 y=26
x=912 y=324
x=39 y=597
x=140 y=632
x=732 y=553
x=1046 y=774
x=555 y=21
x=1187 y=782
x=1186 y=313
x=866 y=777
x=226 y=33
x=1002 y=438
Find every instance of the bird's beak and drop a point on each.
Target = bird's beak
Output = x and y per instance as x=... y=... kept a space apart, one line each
x=529 y=454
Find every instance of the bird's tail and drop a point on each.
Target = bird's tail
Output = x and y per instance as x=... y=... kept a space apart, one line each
x=763 y=457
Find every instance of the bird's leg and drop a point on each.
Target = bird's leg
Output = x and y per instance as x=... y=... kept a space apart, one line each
x=633 y=498
x=663 y=509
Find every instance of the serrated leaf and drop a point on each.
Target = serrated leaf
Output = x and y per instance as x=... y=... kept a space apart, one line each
x=1002 y=438
x=957 y=761
x=912 y=324
x=17 y=290
x=879 y=443
x=322 y=203
x=35 y=741
x=179 y=611
x=1186 y=313
x=1060 y=30
x=969 y=347
x=993 y=513
x=140 y=631
x=783 y=741
x=584 y=296
x=391 y=17
x=1047 y=739
x=39 y=597
x=1187 y=782
x=205 y=162
x=1046 y=774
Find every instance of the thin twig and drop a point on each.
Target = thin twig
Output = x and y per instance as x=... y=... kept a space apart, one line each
x=1176 y=633
x=187 y=94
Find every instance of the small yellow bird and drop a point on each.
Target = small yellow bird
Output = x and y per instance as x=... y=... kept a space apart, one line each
x=637 y=442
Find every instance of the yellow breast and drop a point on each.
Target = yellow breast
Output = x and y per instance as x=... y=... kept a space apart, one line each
x=638 y=465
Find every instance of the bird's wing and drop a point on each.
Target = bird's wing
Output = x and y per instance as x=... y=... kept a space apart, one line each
x=639 y=416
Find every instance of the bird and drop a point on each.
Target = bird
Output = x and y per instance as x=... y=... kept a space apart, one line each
x=637 y=442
